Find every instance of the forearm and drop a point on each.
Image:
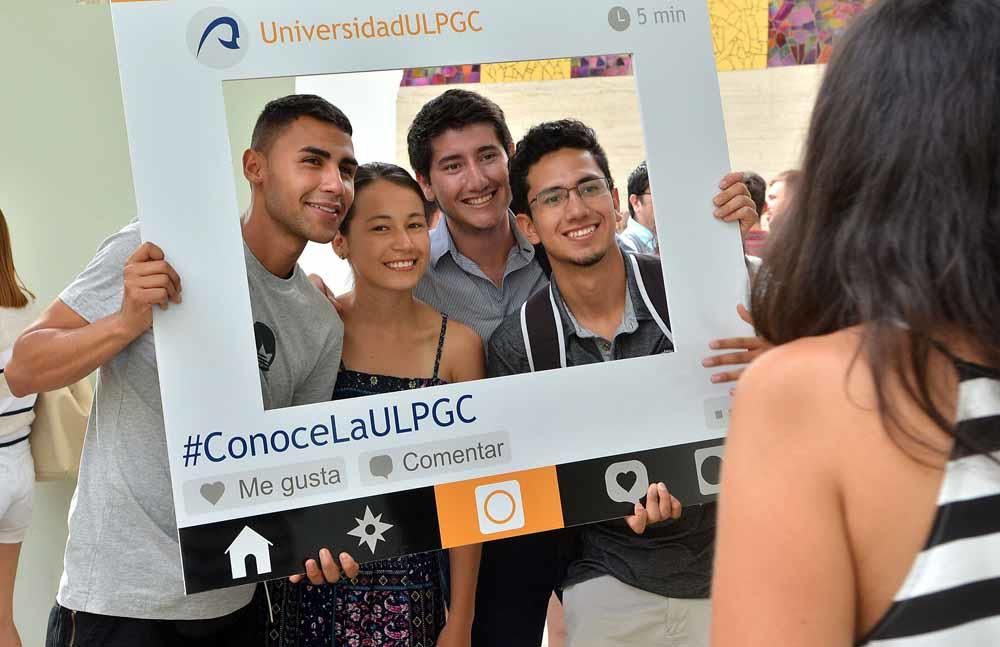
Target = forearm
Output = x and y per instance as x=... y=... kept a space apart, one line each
x=464 y=575
x=50 y=358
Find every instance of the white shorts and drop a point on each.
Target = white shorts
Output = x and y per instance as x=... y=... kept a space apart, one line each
x=17 y=483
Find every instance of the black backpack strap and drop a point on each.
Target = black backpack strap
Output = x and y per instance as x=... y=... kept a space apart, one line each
x=649 y=277
x=542 y=330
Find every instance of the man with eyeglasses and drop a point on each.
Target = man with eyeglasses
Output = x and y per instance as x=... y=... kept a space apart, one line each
x=640 y=232
x=628 y=582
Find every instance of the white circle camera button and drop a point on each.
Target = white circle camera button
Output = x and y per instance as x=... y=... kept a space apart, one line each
x=499 y=507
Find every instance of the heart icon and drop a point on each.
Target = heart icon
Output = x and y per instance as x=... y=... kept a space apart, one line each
x=627 y=479
x=626 y=482
x=212 y=492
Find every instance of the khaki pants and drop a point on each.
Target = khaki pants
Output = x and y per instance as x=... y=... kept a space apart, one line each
x=604 y=612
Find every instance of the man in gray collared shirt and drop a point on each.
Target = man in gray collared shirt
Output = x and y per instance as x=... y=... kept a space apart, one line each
x=481 y=268
x=456 y=285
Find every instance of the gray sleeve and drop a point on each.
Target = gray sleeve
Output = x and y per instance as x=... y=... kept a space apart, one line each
x=505 y=354
x=97 y=292
x=318 y=386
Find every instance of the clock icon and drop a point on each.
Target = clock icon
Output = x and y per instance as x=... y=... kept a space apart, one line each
x=619 y=18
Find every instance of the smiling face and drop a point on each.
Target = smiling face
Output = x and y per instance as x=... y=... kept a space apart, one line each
x=580 y=231
x=305 y=178
x=386 y=240
x=468 y=177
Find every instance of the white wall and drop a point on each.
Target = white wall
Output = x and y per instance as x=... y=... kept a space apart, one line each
x=64 y=185
x=369 y=101
x=767 y=115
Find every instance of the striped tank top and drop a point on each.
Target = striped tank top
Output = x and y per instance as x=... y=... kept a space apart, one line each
x=16 y=414
x=951 y=596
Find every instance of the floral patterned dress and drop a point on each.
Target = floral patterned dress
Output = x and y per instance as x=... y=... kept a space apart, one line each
x=396 y=602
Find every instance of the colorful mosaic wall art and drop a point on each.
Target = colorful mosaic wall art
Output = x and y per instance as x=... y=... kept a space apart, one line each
x=444 y=75
x=543 y=70
x=546 y=70
x=803 y=32
x=583 y=67
x=739 y=33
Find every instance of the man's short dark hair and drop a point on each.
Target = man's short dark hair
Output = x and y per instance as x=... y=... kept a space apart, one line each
x=452 y=110
x=279 y=114
x=758 y=189
x=546 y=138
x=638 y=183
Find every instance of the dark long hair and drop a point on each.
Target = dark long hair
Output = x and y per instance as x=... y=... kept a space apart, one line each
x=896 y=221
x=372 y=171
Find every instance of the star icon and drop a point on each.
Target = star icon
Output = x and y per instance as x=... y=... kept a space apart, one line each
x=371 y=529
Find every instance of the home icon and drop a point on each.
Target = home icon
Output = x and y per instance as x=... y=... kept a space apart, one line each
x=248 y=543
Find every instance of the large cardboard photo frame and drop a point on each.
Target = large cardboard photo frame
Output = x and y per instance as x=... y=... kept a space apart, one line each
x=659 y=411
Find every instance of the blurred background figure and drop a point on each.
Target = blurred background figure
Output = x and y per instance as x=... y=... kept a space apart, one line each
x=639 y=234
x=435 y=218
x=17 y=472
x=779 y=194
x=621 y=222
x=754 y=240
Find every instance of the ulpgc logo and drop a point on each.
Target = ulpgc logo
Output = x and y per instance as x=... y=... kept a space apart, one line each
x=217 y=38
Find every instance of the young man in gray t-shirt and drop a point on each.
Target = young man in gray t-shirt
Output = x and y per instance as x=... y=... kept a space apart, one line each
x=122 y=581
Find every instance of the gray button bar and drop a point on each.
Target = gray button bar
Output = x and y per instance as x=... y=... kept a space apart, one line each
x=285 y=483
x=466 y=454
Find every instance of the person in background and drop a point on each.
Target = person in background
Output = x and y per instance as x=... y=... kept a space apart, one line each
x=779 y=195
x=860 y=498
x=758 y=189
x=621 y=221
x=639 y=235
x=756 y=238
x=17 y=473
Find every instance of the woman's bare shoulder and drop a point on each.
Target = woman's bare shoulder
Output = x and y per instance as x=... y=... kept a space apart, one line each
x=792 y=369
x=464 y=336
x=809 y=385
x=464 y=357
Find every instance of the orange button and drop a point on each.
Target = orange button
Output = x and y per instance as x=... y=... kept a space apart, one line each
x=505 y=505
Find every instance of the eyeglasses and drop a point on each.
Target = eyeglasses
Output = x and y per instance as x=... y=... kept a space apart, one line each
x=557 y=197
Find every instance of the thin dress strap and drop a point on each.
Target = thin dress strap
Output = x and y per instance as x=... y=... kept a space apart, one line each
x=437 y=358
